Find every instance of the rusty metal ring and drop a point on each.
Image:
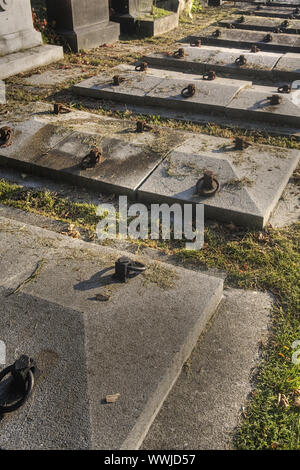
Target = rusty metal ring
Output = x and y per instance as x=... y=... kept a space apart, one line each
x=210 y=75
x=240 y=61
x=179 y=54
x=143 y=67
x=284 y=89
x=6 y=135
x=142 y=126
x=207 y=192
x=268 y=38
x=28 y=386
x=137 y=267
x=274 y=100
x=188 y=91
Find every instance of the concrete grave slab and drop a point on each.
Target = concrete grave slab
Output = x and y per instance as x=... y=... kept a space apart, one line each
x=86 y=349
x=18 y=62
x=163 y=88
x=254 y=103
x=53 y=77
x=251 y=181
x=198 y=414
x=54 y=148
x=270 y=11
x=221 y=60
x=261 y=24
x=245 y=39
x=210 y=96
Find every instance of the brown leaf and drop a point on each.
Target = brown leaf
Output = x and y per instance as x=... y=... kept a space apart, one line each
x=72 y=232
x=112 y=398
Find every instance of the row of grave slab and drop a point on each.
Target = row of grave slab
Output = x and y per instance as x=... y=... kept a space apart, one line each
x=155 y=166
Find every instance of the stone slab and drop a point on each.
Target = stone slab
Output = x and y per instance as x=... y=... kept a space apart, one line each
x=261 y=24
x=54 y=77
x=272 y=12
x=245 y=39
x=54 y=148
x=135 y=344
x=253 y=103
x=163 y=88
x=222 y=60
x=151 y=89
x=12 y=64
x=251 y=181
x=288 y=63
x=204 y=406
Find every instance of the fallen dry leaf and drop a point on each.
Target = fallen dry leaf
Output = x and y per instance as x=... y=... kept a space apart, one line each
x=72 y=232
x=112 y=398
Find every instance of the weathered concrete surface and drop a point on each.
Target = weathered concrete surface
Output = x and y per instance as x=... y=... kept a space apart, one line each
x=162 y=88
x=251 y=181
x=254 y=104
x=235 y=98
x=262 y=24
x=205 y=405
x=223 y=60
x=53 y=146
x=288 y=64
x=134 y=344
x=245 y=39
x=23 y=61
x=287 y=211
x=53 y=77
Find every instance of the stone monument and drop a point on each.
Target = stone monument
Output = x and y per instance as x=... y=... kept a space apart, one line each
x=83 y=23
x=21 y=46
x=139 y=17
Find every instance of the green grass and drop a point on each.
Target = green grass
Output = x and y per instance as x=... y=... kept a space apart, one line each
x=264 y=260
